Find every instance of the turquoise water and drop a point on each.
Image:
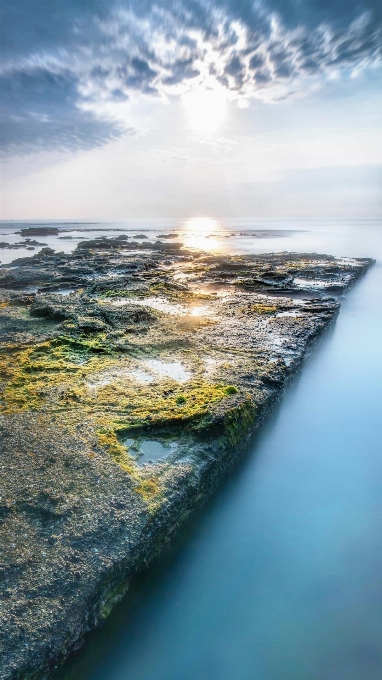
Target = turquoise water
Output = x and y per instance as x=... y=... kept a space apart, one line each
x=279 y=576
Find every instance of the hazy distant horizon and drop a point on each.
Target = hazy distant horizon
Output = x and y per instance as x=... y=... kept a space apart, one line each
x=182 y=218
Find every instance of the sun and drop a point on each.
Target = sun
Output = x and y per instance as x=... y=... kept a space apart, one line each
x=202 y=226
x=202 y=233
x=205 y=109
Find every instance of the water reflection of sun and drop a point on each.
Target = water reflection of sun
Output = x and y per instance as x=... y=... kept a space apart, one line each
x=202 y=233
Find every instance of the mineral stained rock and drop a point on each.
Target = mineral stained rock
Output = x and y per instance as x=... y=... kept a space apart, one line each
x=123 y=402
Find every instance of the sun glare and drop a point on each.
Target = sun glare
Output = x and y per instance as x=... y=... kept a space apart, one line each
x=203 y=226
x=201 y=233
x=205 y=109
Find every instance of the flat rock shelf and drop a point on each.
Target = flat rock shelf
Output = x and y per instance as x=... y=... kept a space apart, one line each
x=131 y=375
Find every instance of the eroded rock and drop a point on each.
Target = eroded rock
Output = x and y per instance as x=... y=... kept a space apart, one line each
x=164 y=350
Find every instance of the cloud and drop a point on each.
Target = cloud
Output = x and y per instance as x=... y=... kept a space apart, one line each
x=39 y=111
x=69 y=74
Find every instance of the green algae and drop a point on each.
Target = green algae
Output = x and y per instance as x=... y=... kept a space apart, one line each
x=259 y=309
x=56 y=375
x=112 y=293
x=231 y=389
x=29 y=375
x=239 y=422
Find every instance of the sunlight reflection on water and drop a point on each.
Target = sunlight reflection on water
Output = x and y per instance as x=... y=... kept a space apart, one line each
x=203 y=233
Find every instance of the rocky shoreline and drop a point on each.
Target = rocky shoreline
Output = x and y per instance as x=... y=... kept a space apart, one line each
x=131 y=374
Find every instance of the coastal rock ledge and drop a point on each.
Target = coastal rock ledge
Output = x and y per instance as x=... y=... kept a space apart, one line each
x=131 y=375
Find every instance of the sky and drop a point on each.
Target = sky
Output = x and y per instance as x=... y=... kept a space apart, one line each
x=184 y=108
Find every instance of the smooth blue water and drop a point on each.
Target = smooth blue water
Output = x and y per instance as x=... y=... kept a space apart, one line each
x=279 y=576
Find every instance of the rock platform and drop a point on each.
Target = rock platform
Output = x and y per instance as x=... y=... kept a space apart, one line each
x=131 y=375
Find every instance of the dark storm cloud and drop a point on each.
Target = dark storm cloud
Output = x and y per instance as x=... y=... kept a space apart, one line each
x=69 y=68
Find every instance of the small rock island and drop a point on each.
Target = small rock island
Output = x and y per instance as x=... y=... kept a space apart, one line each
x=131 y=375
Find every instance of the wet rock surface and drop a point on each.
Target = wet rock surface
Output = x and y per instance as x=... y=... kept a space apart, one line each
x=130 y=376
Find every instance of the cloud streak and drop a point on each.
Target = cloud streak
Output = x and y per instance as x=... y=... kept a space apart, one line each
x=67 y=78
